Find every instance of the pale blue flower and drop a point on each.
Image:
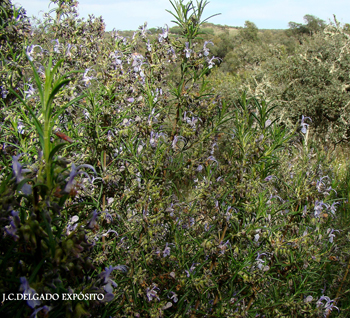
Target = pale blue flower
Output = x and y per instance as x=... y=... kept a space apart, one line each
x=304 y=125
x=331 y=235
x=30 y=92
x=176 y=139
x=191 y=270
x=20 y=127
x=117 y=58
x=166 y=251
x=211 y=61
x=308 y=299
x=328 y=306
x=319 y=207
x=260 y=261
x=143 y=30
x=333 y=207
x=30 y=51
x=28 y=291
x=212 y=158
x=74 y=172
x=187 y=50
x=149 y=46
x=17 y=171
x=4 y=92
x=107 y=281
x=152 y=293
x=164 y=34
x=173 y=297
x=56 y=48
x=205 y=49
x=93 y=221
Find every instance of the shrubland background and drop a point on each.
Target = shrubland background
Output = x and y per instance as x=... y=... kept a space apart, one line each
x=196 y=171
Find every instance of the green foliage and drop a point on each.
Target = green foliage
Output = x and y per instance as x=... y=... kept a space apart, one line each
x=312 y=25
x=313 y=82
x=196 y=206
x=249 y=32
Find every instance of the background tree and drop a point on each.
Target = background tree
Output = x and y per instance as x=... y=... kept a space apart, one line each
x=249 y=32
x=312 y=25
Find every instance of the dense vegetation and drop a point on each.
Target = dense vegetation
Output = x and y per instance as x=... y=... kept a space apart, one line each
x=186 y=172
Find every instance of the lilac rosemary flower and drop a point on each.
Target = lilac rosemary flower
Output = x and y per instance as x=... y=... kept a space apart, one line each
x=74 y=172
x=268 y=123
x=30 y=51
x=331 y=235
x=117 y=58
x=143 y=30
x=187 y=50
x=172 y=52
x=273 y=197
x=30 y=92
x=223 y=246
x=256 y=237
x=304 y=211
x=107 y=216
x=176 y=139
x=4 y=92
x=137 y=61
x=87 y=79
x=164 y=34
x=229 y=214
x=191 y=121
x=56 y=48
x=154 y=138
x=328 y=306
x=109 y=231
x=107 y=281
x=28 y=293
x=173 y=297
x=152 y=293
x=166 y=251
x=205 y=49
x=320 y=184
x=213 y=148
x=149 y=46
x=333 y=208
x=11 y=229
x=68 y=50
x=17 y=171
x=319 y=207
x=260 y=261
x=211 y=61
x=304 y=125
x=212 y=158
x=191 y=270
x=20 y=127
x=72 y=224
x=93 y=223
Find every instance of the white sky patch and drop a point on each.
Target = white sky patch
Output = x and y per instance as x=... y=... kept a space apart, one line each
x=266 y=14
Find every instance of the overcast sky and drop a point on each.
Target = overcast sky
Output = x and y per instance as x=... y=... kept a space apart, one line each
x=266 y=14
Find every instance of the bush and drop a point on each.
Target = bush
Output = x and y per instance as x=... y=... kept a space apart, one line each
x=161 y=196
x=313 y=82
